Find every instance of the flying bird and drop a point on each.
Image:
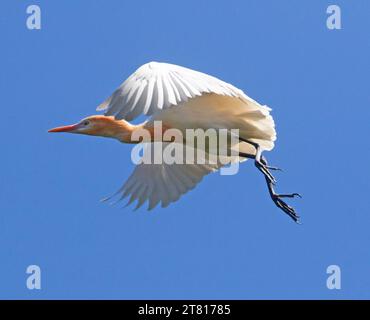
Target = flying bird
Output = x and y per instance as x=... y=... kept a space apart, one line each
x=182 y=99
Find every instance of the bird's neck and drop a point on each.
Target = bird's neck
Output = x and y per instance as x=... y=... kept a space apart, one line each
x=126 y=132
x=122 y=130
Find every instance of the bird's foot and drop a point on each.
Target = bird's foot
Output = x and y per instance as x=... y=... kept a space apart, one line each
x=277 y=199
x=262 y=165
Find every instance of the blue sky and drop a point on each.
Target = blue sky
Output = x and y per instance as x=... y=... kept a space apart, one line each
x=225 y=239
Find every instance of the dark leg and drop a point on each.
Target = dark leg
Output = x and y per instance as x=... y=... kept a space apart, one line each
x=258 y=161
x=280 y=203
x=261 y=164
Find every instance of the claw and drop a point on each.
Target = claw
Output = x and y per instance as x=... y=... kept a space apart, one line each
x=289 y=195
x=274 y=168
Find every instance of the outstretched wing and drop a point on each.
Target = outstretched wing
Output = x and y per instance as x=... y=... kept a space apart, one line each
x=157 y=86
x=161 y=183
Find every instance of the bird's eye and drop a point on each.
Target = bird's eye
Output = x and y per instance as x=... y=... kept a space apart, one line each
x=86 y=123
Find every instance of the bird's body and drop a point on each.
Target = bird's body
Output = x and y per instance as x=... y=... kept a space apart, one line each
x=181 y=99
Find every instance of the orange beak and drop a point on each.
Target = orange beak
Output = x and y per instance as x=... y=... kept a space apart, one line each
x=64 y=128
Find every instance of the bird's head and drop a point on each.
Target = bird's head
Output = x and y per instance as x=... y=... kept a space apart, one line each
x=98 y=125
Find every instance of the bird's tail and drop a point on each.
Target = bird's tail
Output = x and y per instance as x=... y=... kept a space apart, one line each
x=258 y=126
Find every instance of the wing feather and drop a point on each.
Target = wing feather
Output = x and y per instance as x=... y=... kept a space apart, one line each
x=157 y=86
x=162 y=183
x=160 y=101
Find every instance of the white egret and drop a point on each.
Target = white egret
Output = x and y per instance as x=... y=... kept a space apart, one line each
x=181 y=98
